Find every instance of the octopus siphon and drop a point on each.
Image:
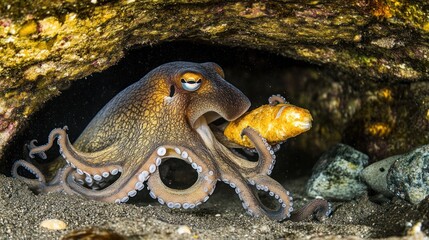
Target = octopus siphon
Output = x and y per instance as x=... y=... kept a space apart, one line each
x=168 y=114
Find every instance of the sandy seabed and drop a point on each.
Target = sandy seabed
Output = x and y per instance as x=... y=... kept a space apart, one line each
x=222 y=217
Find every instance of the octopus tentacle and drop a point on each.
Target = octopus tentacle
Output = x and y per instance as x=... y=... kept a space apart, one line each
x=257 y=176
x=40 y=150
x=39 y=184
x=266 y=159
x=79 y=178
x=127 y=185
x=276 y=99
x=193 y=196
x=319 y=208
x=244 y=191
x=79 y=160
x=250 y=199
x=92 y=183
x=58 y=183
x=248 y=168
x=276 y=191
x=31 y=146
x=62 y=179
x=33 y=183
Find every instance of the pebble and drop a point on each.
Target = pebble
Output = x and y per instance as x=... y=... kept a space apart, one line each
x=336 y=175
x=405 y=176
x=53 y=224
x=183 y=230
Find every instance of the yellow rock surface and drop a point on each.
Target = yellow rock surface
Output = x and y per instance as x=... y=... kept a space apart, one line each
x=274 y=123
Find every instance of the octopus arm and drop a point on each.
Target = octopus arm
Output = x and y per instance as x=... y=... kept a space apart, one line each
x=266 y=157
x=95 y=163
x=319 y=208
x=247 y=193
x=91 y=165
x=276 y=191
x=130 y=182
x=193 y=196
x=39 y=184
x=249 y=179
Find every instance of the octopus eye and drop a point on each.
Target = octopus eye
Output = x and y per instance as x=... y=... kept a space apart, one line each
x=191 y=85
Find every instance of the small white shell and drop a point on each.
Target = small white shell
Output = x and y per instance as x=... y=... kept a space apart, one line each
x=53 y=224
x=183 y=230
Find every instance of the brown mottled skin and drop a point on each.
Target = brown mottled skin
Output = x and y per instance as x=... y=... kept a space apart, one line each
x=164 y=115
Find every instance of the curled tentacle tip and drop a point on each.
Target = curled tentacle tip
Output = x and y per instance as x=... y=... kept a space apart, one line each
x=276 y=99
x=323 y=210
x=31 y=146
x=66 y=128
x=319 y=209
x=42 y=155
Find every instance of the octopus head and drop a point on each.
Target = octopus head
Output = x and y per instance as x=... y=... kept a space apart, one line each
x=204 y=91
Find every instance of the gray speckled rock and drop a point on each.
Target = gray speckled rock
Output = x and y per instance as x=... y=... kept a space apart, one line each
x=375 y=175
x=406 y=176
x=336 y=174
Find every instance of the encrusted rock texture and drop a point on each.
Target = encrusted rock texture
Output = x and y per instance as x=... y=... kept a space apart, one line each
x=44 y=45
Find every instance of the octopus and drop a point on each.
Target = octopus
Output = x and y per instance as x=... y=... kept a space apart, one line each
x=168 y=114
